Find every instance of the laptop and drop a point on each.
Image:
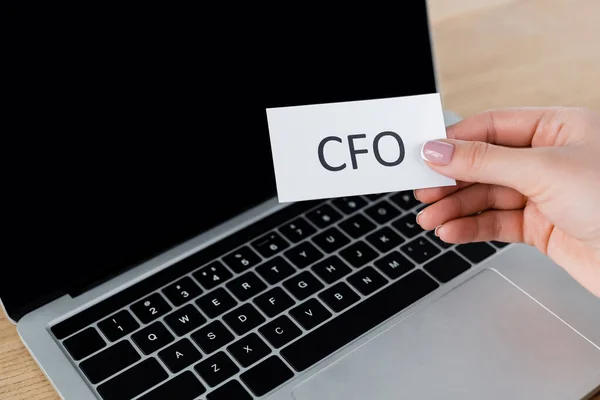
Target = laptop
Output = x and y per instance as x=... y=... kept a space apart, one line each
x=157 y=262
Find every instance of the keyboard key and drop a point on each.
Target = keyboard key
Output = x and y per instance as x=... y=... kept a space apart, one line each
x=382 y=212
x=275 y=270
x=438 y=241
x=375 y=196
x=267 y=375
x=241 y=259
x=447 y=266
x=348 y=205
x=310 y=313
x=385 y=239
x=357 y=320
x=216 y=303
x=297 y=230
x=367 y=280
x=407 y=225
x=246 y=286
x=212 y=337
x=249 y=350
x=179 y=355
x=232 y=390
x=280 y=331
x=270 y=244
x=110 y=361
x=185 y=320
x=499 y=245
x=303 y=285
x=303 y=254
x=212 y=275
x=150 y=308
x=358 y=254
x=274 y=302
x=331 y=269
x=84 y=343
x=476 y=252
x=357 y=225
x=182 y=291
x=243 y=319
x=339 y=297
x=216 y=369
x=152 y=338
x=118 y=325
x=134 y=381
x=324 y=216
x=331 y=240
x=420 y=250
x=394 y=265
x=186 y=386
x=405 y=200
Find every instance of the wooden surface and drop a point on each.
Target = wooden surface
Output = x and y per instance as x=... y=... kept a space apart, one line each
x=490 y=53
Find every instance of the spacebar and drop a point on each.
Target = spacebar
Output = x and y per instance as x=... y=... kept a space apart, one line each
x=359 y=319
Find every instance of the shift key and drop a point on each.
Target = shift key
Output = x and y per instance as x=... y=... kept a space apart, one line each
x=110 y=361
x=134 y=381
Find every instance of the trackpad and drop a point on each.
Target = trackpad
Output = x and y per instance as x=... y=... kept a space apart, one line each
x=484 y=340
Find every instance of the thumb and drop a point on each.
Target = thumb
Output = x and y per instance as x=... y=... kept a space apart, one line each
x=523 y=169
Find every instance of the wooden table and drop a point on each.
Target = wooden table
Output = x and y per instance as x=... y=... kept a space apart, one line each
x=490 y=53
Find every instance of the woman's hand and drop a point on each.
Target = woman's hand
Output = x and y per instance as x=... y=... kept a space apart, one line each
x=527 y=175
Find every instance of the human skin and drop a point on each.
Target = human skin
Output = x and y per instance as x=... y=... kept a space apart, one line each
x=528 y=175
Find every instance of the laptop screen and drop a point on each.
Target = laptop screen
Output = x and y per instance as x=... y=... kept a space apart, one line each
x=155 y=135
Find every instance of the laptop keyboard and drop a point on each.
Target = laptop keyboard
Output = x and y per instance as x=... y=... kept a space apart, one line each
x=240 y=325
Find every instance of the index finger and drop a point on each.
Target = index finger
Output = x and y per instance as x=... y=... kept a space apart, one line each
x=514 y=127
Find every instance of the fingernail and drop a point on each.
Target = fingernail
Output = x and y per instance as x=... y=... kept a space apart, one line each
x=415 y=195
x=437 y=152
x=418 y=215
x=436 y=231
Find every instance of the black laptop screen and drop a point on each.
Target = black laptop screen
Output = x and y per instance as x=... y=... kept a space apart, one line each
x=141 y=139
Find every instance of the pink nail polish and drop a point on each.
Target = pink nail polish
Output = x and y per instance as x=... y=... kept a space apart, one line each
x=437 y=152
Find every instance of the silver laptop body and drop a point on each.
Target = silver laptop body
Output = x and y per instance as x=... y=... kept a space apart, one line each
x=511 y=326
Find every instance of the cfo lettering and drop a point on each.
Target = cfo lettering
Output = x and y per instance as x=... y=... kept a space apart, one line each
x=354 y=151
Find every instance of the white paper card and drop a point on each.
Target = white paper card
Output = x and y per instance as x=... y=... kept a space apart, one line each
x=358 y=147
